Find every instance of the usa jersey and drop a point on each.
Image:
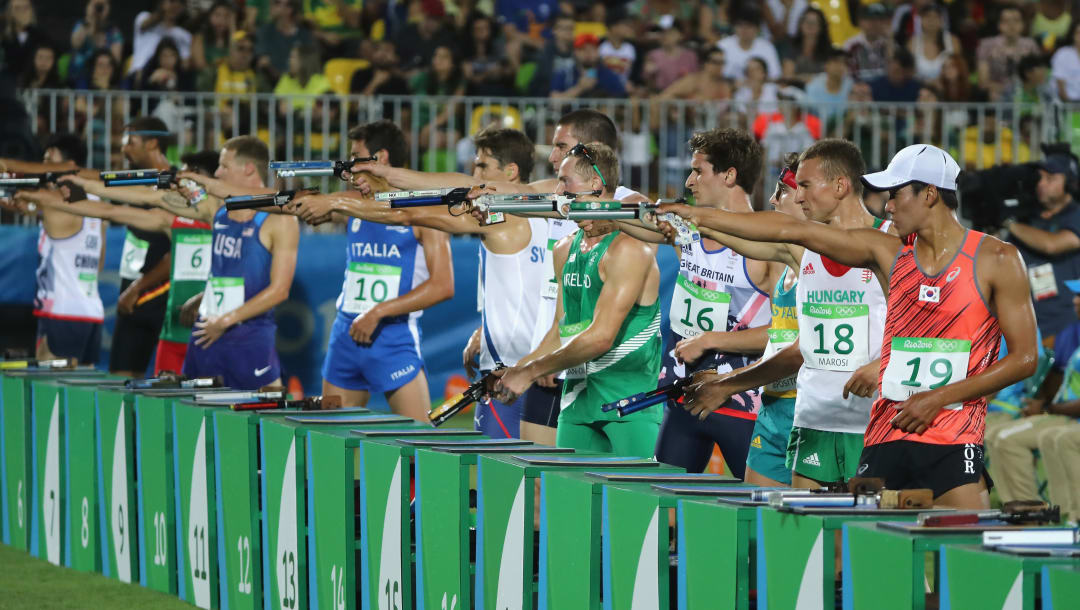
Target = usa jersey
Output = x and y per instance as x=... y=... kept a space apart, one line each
x=239 y=267
x=939 y=330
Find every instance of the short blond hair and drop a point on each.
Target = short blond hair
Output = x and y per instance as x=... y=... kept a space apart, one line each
x=604 y=158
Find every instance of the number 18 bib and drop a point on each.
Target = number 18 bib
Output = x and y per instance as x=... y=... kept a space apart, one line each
x=838 y=337
x=696 y=310
x=918 y=364
x=368 y=284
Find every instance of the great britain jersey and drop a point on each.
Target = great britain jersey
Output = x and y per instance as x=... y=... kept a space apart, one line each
x=939 y=330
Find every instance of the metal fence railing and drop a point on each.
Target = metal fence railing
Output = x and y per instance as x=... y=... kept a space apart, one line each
x=653 y=133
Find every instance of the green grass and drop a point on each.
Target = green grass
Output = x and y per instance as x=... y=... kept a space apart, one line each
x=28 y=582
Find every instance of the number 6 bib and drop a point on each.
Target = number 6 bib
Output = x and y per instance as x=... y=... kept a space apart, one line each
x=701 y=310
x=192 y=257
x=838 y=337
x=918 y=364
x=368 y=284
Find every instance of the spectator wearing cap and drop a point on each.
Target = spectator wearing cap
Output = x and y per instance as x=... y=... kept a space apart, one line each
x=1050 y=243
x=670 y=61
x=94 y=31
x=168 y=19
x=617 y=52
x=869 y=50
x=898 y=84
x=590 y=78
x=830 y=89
x=997 y=57
x=276 y=39
x=746 y=43
x=803 y=56
x=557 y=59
x=1065 y=66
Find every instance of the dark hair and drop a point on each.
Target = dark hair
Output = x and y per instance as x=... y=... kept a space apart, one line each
x=932 y=88
x=152 y=128
x=71 y=147
x=791 y=161
x=207 y=31
x=469 y=47
x=823 y=44
x=904 y=57
x=385 y=135
x=166 y=43
x=603 y=157
x=1067 y=41
x=92 y=62
x=1030 y=62
x=1008 y=7
x=760 y=62
x=947 y=197
x=726 y=148
x=203 y=162
x=249 y=149
x=29 y=72
x=747 y=13
x=456 y=78
x=588 y=125
x=837 y=53
x=839 y=158
x=508 y=146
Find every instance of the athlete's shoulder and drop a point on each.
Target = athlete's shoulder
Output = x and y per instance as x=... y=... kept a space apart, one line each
x=627 y=245
x=995 y=251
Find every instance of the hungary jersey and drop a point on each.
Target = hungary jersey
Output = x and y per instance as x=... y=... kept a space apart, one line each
x=632 y=364
x=939 y=330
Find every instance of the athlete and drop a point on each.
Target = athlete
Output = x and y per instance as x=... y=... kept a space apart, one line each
x=947 y=288
x=511 y=253
x=72 y=250
x=251 y=269
x=606 y=336
x=189 y=257
x=393 y=273
x=841 y=313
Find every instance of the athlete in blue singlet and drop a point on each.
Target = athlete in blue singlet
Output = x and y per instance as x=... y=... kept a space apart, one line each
x=392 y=274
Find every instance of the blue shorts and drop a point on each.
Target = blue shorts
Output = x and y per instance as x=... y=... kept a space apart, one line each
x=497 y=420
x=244 y=356
x=768 y=445
x=390 y=362
x=71 y=339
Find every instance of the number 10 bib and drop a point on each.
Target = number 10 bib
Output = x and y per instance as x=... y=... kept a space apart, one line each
x=696 y=310
x=918 y=364
x=368 y=284
x=837 y=337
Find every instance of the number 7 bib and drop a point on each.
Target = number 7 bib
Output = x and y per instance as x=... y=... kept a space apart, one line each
x=918 y=364
x=837 y=337
x=696 y=310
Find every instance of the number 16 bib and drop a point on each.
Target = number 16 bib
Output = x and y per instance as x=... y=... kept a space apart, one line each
x=696 y=310
x=838 y=337
x=918 y=364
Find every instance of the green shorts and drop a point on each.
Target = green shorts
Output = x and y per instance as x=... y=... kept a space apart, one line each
x=828 y=457
x=634 y=438
x=769 y=442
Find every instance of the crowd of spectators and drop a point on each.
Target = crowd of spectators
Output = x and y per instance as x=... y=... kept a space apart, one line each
x=748 y=55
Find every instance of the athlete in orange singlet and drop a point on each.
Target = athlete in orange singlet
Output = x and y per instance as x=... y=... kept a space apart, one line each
x=948 y=289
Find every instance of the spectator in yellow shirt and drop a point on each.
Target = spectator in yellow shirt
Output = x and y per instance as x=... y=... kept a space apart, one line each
x=236 y=77
x=304 y=78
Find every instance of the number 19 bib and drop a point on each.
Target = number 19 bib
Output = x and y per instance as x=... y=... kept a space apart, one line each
x=368 y=284
x=696 y=310
x=918 y=364
x=222 y=295
x=838 y=337
x=192 y=257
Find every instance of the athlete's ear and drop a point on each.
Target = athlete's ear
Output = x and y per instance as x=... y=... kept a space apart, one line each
x=730 y=176
x=382 y=156
x=843 y=187
x=511 y=170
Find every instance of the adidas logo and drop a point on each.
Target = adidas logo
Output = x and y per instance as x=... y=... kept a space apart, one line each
x=808 y=269
x=756 y=443
x=812 y=460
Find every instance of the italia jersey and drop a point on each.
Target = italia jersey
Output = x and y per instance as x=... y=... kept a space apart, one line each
x=383 y=262
x=713 y=292
x=841 y=312
x=509 y=285
x=67 y=277
x=939 y=330
x=239 y=267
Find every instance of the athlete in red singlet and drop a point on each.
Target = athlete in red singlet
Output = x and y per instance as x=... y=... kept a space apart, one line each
x=948 y=288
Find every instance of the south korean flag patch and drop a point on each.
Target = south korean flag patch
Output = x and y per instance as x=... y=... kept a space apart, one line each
x=929 y=294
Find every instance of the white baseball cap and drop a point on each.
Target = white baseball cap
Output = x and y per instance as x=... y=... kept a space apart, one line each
x=917 y=163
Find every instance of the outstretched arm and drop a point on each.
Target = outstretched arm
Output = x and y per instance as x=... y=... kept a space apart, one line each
x=153 y=220
x=1000 y=265
x=711 y=392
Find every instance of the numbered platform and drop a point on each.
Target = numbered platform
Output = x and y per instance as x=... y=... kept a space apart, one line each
x=1003 y=577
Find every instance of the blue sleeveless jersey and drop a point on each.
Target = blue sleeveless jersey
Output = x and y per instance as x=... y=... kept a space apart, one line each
x=383 y=262
x=239 y=253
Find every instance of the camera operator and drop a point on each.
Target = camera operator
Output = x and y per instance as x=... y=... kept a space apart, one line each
x=1050 y=244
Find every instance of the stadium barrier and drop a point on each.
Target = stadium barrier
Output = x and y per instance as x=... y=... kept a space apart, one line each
x=295 y=510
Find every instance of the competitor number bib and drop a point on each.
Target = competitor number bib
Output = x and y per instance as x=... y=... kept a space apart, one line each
x=133 y=257
x=192 y=261
x=696 y=310
x=368 y=284
x=918 y=364
x=566 y=333
x=837 y=337
x=780 y=338
x=222 y=295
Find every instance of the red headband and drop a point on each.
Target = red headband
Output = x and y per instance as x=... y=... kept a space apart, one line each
x=788 y=177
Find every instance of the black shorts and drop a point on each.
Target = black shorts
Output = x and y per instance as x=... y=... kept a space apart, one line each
x=134 y=342
x=71 y=339
x=914 y=465
x=542 y=405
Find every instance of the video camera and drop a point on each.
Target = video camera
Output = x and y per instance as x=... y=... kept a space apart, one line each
x=991 y=196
